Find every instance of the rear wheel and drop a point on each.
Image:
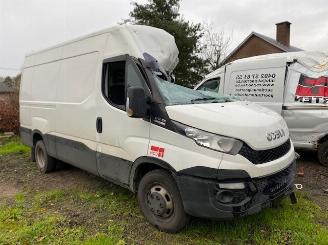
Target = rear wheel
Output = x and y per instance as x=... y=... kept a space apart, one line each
x=45 y=162
x=160 y=201
x=33 y=154
x=323 y=153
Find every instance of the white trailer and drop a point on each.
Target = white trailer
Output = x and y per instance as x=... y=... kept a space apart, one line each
x=104 y=104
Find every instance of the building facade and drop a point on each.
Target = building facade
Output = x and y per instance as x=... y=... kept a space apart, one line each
x=258 y=44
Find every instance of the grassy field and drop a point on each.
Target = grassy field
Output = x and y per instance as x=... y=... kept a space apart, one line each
x=13 y=145
x=73 y=207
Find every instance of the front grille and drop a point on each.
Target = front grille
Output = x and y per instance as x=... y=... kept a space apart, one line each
x=273 y=184
x=263 y=156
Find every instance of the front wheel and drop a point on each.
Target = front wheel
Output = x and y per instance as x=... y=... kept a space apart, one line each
x=160 y=201
x=323 y=153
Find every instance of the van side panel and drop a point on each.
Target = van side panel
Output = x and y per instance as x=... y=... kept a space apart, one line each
x=25 y=95
x=76 y=103
x=38 y=96
x=42 y=104
x=306 y=114
x=76 y=111
x=258 y=81
x=58 y=100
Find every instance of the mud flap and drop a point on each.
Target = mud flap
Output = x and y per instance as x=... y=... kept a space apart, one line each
x=293 y=198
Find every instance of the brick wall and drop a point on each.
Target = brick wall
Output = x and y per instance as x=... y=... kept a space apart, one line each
x=254 y=46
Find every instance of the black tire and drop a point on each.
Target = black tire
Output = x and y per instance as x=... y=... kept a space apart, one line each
x=323 y=153
x=33 y=154
x=158 y=188
x=45 y=163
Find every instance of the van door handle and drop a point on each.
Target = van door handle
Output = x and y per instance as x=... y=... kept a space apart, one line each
x=99 y=125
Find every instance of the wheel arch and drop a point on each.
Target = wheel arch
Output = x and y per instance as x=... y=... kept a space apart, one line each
x=143 y=165
x=36 y=136
x=323 y=139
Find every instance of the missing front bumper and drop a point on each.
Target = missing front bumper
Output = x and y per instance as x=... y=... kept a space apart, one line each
x=201 y=197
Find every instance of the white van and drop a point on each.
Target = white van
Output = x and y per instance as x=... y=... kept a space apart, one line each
x=294 y=85
x=103 y=104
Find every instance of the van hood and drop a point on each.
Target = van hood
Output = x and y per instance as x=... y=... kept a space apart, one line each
x=255 y=125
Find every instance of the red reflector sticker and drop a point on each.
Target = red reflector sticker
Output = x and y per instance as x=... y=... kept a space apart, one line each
x=157 y=151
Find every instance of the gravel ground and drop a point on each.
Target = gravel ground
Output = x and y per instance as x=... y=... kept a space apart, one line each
x=315 y=179
x=18 y=173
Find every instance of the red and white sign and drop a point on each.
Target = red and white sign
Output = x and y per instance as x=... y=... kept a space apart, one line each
x=312 y=90
x=157 y=151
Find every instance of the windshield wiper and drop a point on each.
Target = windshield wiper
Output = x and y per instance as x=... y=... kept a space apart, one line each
x=203 y=99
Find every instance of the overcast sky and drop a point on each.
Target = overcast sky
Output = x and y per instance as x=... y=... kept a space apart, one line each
x=30 y=25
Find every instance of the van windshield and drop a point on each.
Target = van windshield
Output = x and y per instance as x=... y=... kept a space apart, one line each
x=174 y=94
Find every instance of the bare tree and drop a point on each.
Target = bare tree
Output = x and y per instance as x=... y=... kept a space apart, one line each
x=15 y=85
x=215 y=46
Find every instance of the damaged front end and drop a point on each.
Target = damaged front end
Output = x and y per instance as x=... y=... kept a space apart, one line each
x=226 y=197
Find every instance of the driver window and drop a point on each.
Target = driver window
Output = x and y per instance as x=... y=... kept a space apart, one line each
x=134 y=78
x=114 y=83
x=210 y=85
x=118 y=76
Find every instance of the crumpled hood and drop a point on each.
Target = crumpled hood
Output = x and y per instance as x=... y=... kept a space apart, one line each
x=255 y=125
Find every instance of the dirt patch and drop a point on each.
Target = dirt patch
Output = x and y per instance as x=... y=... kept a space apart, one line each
x=315 y=180
x=8 y=190
x=18 y=173
x=18 y=170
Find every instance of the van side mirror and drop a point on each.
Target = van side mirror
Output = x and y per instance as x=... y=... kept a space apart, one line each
x=136 y=105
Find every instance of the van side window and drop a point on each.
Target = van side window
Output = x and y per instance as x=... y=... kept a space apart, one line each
x=134 y=78
x=117 y=77
x=114 y=83
x=210 y=85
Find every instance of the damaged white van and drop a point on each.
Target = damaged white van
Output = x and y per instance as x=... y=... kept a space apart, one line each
x=294 y=85
x=104 y=104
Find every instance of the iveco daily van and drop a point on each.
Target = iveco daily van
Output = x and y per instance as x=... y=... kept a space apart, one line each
x=294 y=85
x=104 y=104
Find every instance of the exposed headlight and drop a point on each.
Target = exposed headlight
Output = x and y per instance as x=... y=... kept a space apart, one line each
x=232 y=186
x=213 y=141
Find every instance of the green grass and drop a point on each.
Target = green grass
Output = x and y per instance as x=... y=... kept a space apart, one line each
x=292 y=224
x=29 y=222
x=44 y=217
x=12 y=146
x=103 y=214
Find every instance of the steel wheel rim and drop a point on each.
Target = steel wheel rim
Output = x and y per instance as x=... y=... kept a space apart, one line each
x=160 y=202
x=40 y=157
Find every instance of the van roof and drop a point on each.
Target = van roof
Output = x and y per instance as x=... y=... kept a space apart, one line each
x=124 y=39
x=93 y=34
x=307 y=58
x=289 y=56
x=73 y=40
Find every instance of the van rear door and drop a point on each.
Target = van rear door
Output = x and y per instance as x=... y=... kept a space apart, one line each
x=306 y=101
x=260 y=81
x=121 y=139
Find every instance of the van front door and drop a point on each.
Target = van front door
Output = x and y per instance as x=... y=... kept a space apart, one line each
x=121 y=139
